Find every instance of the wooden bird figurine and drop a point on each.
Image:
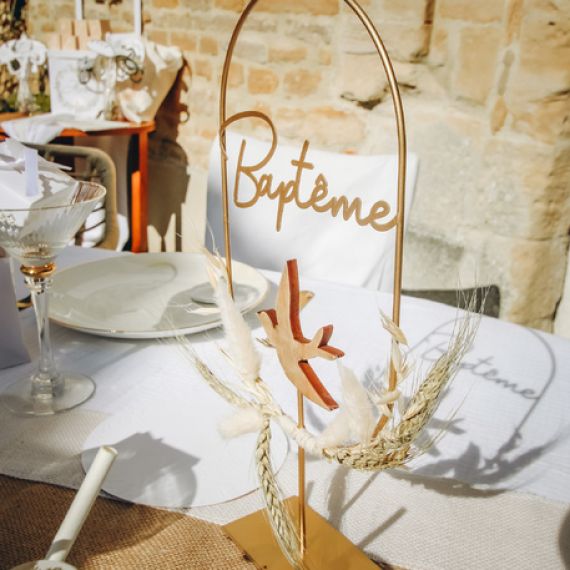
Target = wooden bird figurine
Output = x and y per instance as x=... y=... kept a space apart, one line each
x=283 y=328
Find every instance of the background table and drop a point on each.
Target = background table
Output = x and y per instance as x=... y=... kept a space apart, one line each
x=492 y=493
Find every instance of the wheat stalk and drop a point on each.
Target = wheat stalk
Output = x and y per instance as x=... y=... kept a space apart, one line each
x=283 y=527
x=220 y=387
x=393 y=448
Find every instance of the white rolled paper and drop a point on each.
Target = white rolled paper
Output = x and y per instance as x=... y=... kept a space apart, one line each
x=81 y=505
x=79 y=9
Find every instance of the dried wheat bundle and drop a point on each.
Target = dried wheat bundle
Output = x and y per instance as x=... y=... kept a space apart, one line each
x=351 y=438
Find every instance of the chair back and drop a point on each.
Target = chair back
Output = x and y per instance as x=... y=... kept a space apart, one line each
x=487 y=298
x=101 y=228
x=330 y=249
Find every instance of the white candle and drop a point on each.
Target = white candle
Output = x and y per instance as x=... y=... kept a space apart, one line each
x=137 y=16
x=81 y=505
x=79 y=9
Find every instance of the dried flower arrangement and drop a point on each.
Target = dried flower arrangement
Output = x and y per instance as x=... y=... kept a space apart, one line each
x=351 y=439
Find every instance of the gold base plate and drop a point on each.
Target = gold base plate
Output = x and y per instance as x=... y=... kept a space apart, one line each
x=327 y=548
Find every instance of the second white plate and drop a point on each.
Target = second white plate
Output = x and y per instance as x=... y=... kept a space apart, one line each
x=144 y=295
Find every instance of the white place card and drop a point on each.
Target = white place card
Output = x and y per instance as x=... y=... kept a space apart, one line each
x=13 y=351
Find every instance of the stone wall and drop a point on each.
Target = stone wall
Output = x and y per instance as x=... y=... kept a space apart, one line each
x=486 y=90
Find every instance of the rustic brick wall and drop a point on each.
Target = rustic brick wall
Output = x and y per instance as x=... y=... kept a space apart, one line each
x=486 y=88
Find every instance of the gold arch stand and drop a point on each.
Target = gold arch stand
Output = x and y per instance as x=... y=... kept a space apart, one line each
x=322 y=546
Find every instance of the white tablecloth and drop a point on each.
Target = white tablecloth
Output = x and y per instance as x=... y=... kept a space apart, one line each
x=494 y=492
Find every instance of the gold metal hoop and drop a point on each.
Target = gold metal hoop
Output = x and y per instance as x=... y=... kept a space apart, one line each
x=401 y=132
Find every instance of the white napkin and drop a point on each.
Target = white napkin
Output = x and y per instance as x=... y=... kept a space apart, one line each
x=27 y=179
x=39 y=129
x=26 y=176
x=12 y=348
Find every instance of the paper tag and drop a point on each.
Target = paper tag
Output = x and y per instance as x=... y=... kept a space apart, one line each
x=12 y=348
x=31 y=166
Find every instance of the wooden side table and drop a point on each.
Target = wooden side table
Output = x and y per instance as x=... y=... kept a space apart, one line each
x=139 y=176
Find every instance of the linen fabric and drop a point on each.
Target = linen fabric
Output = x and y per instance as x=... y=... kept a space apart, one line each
x=115 y=535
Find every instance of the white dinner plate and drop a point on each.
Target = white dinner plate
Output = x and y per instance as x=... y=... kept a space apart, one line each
x=145 y=296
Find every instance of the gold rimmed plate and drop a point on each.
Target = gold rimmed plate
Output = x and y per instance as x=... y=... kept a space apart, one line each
x=145 y=296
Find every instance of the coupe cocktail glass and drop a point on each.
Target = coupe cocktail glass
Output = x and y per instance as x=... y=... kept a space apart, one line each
x=33 y=237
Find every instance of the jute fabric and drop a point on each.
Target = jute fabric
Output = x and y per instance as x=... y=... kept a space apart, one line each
x=115 y=536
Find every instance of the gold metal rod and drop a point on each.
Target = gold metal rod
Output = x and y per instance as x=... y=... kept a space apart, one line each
x=301 y=478
x=400 y=124
x=223 y=99
x=402 y=159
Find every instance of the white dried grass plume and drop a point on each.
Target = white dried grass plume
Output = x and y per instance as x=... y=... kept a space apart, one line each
x=248 y=420
x=337 y=432
x=354 y=421
x=356 y=405
x=240 y=344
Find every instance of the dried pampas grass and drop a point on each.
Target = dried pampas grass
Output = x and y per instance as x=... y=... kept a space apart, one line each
x=247 y=420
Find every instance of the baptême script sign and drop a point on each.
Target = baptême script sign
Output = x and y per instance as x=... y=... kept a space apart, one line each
x=288 y=191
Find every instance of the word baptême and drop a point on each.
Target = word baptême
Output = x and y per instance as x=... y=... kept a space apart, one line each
x=286 y=192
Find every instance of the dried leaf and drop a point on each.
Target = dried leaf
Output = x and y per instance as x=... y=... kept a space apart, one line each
x=393 y=329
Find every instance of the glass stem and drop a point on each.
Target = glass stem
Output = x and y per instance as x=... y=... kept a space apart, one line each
x=45 y=382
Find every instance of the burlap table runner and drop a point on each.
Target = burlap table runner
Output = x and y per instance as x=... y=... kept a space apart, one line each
x=116 y=535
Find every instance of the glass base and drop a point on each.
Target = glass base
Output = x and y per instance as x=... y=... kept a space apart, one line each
x=76 y=390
